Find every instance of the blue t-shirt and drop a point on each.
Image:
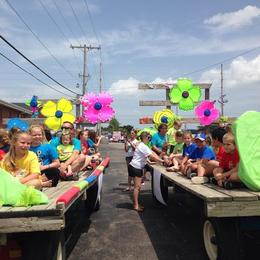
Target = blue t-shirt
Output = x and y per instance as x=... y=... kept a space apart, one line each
x=76 y=142
x=158 y=140
x=46 y=153
x=204 y=153
x=187 y=150
x=90 y=143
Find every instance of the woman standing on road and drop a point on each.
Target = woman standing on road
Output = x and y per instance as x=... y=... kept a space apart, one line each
x=136 y=166
x=130 y=145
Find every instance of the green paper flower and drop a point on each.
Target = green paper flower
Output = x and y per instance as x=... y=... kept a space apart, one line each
x=185 y=94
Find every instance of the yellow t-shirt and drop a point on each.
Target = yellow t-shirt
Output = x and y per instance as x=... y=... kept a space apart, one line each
x=26 y=165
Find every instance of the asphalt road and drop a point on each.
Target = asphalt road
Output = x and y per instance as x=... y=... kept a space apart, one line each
x=118 y=232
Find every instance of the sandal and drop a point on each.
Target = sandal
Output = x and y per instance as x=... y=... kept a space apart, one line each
x=127 y=189
x=139 y=209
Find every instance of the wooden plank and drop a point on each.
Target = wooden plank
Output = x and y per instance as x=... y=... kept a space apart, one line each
x=156 y=103
x=200 y=191
x=233 y=208
x=146 y=86
x=30 y=224
x=237 y=195
x=187 y=120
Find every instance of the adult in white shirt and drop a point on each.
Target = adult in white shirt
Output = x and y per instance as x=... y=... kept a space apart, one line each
x=130 y=145
x=136 y=166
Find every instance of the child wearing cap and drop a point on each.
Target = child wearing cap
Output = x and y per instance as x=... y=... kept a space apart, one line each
x=201 y=154
x=206 y=168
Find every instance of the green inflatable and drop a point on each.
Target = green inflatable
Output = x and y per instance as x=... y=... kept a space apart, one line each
x=247 y=135
x=13 y=193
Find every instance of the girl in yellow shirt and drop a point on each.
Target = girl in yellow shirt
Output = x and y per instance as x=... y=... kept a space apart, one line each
x=21 y=162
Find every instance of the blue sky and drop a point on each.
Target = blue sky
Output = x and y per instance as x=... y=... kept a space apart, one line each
x=141 y=41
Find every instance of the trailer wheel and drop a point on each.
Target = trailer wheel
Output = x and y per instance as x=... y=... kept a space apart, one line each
x=217 y=234
x=209 y=237
x=59 y=249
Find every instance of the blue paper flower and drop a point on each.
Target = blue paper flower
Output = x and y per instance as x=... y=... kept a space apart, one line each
x=17 y=122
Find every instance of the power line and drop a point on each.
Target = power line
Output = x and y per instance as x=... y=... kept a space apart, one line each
x=35 y=35
x=91 y=21
x=220 y=62
x=58 y=27
x=33 y=75
x=76 y=18
x=36 y=65
x=65 y=21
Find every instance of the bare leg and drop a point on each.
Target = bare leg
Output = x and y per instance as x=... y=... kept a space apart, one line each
x=137 y=188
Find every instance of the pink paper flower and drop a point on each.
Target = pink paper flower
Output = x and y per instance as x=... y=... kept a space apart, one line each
x=206 y=112
x=97 y=107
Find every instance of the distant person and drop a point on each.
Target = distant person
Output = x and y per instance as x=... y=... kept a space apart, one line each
x=4 y=141
x=137 y=164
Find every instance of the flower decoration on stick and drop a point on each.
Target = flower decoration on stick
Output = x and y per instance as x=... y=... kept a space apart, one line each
x=57 y=113
x=185 y=94
x=165 y=116
x=34 y=104
x=17 y=123
x=207 y=112
x=97 y=107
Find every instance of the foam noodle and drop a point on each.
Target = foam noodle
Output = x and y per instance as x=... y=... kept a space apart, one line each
x=81 y=185
x=91 y=178
x=69 y=195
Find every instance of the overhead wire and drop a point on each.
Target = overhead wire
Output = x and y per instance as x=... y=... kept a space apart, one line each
x=59 y=28
x=21 y=68
x=21 y=54
x=96 y=35
x=36 y=36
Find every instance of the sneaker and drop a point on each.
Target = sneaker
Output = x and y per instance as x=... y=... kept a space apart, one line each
x=199 y=179
x=213 y=181
x=193 y=174
x=233 y=185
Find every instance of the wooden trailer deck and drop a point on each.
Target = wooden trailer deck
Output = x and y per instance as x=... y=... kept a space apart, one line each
x=40 y=217
x=218 y=202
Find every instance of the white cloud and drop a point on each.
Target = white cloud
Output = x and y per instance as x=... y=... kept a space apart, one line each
x=124 y=87
x=240 y=73
x=234 y=20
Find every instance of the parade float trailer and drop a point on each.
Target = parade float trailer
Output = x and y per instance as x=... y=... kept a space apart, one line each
x=44 y=231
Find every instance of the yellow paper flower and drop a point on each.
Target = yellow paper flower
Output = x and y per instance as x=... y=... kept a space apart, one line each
x=165 y=116
x=57 y=113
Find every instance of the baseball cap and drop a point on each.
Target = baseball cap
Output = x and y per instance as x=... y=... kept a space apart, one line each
x=201 y=137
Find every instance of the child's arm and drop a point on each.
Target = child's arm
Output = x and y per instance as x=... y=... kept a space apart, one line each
x=54 y=164
x=72 y=158
x=155 y=157
x=32 y=176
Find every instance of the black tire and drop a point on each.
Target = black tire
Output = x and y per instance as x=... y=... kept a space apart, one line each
x=218 y=234
x=59 y=249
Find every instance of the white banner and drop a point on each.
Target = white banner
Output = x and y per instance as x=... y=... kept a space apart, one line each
x=100 y=181
x=157 y=187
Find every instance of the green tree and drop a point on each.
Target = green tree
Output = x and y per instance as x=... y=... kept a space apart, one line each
x=113 y=124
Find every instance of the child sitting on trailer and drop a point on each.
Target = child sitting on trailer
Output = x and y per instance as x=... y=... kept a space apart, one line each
x=228 y=166
x=65 y=151
x=22 y=163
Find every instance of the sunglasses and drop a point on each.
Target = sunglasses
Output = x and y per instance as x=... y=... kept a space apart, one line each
x=65 y=127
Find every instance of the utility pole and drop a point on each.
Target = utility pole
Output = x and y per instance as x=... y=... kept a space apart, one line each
x=85 y=75
x=222 y=90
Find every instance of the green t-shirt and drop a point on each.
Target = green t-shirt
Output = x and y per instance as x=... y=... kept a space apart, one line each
x=178 y=148
x=65 y=151
x=171 y=136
